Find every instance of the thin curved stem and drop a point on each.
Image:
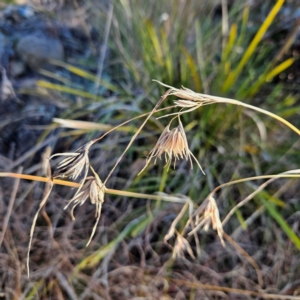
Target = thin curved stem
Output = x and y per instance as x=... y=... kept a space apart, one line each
x=136 y=134
x=209 y=99
x=247 y=199
x=128 y=121
x=270 y=114
x=288 y=174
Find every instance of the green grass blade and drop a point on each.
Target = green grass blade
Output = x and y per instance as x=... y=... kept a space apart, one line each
x=253 y=45
x=231 y=40
x=155 y=42
x=75 y=70
x=35 y=289
x=280 y=68
x=192 y=67
x=167 y=56
x=141 y=226
x=65 y=89
x=96 y=256
x=267 y=75
x=245 y=18
x=84 y=74
x=279 y=219
x=272 y=199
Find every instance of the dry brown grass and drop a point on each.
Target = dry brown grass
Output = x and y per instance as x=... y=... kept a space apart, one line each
x=141 y=247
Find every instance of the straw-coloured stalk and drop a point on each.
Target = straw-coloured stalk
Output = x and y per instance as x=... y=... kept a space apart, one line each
x=42 y=204
x=208 y=214
x=173 y=145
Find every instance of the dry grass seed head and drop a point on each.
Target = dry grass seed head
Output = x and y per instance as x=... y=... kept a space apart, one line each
x=94 y=189
x=74 y=163
x=182 y=245
x=97 y=193
x=187 y=94
x=80 y=197
x=208 y=214
x=184 y=93
x=185 y=103
x=172 y=144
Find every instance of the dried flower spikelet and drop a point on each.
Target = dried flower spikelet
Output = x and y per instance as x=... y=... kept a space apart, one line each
x=82 y=196
x=184 y=93
x=208 y=214
x=187 y=94
x=182 y=245
x=172 y=144
x=74 y=163
x=97 y=192
x=94 y=189
x=185 y=103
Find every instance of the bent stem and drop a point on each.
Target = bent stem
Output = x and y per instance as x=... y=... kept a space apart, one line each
x=128 y=121
x=288 y=174
x=270 y=114
x=208 y=99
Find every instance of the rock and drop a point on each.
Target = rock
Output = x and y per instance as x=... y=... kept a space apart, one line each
x=37 y=50
x=17 y=13
x=7 y=90
x=16 y=68
x=2 y=46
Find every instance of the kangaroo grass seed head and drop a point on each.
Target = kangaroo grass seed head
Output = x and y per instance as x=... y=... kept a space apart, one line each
x=208 y=214
x=186 y=103
x=182 y=245
x=97 y=192
x=187 y=94
x=173 y=145
x=74 y=163
x=94 y=189
x=81 y=196
x=184 y=93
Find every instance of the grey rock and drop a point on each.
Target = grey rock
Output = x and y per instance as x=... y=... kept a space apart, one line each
x=17 y=13
x=36 y=50
x=2 y=45
x=26 y=11
x=7 y=90
x=17 y=68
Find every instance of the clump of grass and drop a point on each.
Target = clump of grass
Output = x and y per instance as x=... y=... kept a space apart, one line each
x=197 y=68
x=172 y=143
